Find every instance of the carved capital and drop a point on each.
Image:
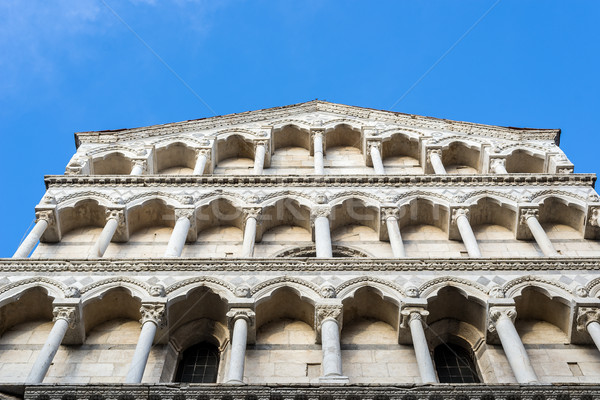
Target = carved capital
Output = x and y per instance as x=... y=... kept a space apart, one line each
x=328 y=311
x=496 y=313
x=244 y=313
x=264 y=143
x=497 y=162
x=46 y=215
x=409 y=314
x=141 y=163
x=252 y=212
x=203 y=152
x=319 y=212
x=527 y=213
x=389 y=212
x=585 y=315
x=184 y=213
x=430 y=152
x=69 y=314
x=320 y=132
x=594 y=218
x=458 y=212
x=374 y=143
x=117 y=214
x=154 y=312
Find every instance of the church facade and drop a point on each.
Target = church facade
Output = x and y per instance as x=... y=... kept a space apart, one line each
x=316 y=250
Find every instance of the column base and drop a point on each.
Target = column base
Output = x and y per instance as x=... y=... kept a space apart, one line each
x=235 y=382
x=334 y=379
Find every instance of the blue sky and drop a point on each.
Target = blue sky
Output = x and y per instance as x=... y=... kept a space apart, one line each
x=73 y=65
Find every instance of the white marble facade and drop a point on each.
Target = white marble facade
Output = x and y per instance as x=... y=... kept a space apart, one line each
x=315 y=243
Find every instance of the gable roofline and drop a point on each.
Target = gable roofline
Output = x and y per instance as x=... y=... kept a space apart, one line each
x=403 y=119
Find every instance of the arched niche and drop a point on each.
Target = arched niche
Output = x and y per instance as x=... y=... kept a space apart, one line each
x=354 y=223
x=284 y=311
x=344 y=151
x=175 y=159
x=32 y=305
x=459 y=158
x=114 y=304
x=525 y=162
x=112 y=164
x=220 y=230
x=234 y=155
x=199 y=303
x=542 y=319
x=400 y=154
x=283 y=224
x=561 y=218
x=453 y=303
x=424 y=227
x=291 y=151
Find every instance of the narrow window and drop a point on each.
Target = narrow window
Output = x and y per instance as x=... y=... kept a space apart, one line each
x=199 y=364
x=454 y=364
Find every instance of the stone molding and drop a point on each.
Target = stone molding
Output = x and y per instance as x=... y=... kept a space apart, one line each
x=154 y=312
x=585 y=315
x=69 y=314
x=8 y=265
x=447 y=180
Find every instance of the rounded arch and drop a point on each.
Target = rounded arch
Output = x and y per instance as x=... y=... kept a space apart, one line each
x=285 y=301
x=181 y=290
x=306 y=290
x=425 y=209
x=290 y=135
x=199 y=302
x=218 y=211
x=13 y=291
x=456 y=302
x=489 y=209
x=88 y=212
x=150 y=212
x=525 y=160
x=97 y=290
x=113 y=163
x=311 y=251
x=461 y=157
x=31 y=304
x=237 y=148
x=561 y=210
x=469 y=289
x=551 y=288
x=354 y=210
x=110 y=303
x=389 y=290
x=284 y=211
x=343 y=135
x=593 y=287
x=400 y=149
x=175 y=157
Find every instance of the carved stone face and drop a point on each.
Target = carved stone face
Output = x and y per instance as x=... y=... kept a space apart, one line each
x=242 y=291
x=157 y=290
x=71 y=292
x=581 y=291
x=411 y=291
x=328 y=291
x=496 y=292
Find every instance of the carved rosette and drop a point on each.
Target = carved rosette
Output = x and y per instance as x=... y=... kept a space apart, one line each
x=245 y=313
x=153 y=312
x=69 y=314
x=409 y=314
x=459 y=212
x=585 y=315
x=496 y=313
x=328 y=311
x=389 y=212
x=527 y=213
x=430 y=152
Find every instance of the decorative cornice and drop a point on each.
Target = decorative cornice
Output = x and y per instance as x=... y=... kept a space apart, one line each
x=322 y=181
x=10 y=265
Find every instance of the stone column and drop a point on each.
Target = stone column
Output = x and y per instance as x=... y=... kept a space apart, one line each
x=588 y=320
x=180 y=232
x=460 y=216
x=152 y=316
x=202 y=156
x=64 y=317
x=318 y=152
x=376 y=157
x=239 y=320
x=328 y=318
x=498 y=166
x=322 y=232
x=44 y=218
x=113 y=220
x=529 y=217
x=414 y=319
x=252 y=216
x=390 y=216
x=139 y=167
x=434 y=156
x=502 y=321
x=260 y=150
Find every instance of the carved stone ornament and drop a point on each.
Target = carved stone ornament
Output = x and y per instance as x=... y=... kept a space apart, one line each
x=496 y=292
x=497 y=162
x=184 y=213
x=264 y=143
x=242 y=291
x=411 y=291
x=565 y=170
x=47 y=215
x=328 y=292
x=245 y=313
x=580 y=291
x=316 y=132
x=321 y=199
x=69 y=314
x=389 y=212
x=458 y=212
x=501 y=312
x=374 y=143
x=203 y=152
x=433 y=151
x=152 y=312
x=328 y=311
x=252 y=212
x=528 y=213
x=72 y=292
x=409 y=314
x=141 y=163
x=320 y=212
x=119 y=215
x=157 y=291
x=594 y=218
x=585 y=315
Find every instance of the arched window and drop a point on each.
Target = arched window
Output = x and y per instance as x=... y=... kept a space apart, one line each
x=199 y=364
x=454 y=364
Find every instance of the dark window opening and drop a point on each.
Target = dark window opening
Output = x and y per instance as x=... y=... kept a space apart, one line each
x=199 y=364
x=454 y=364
